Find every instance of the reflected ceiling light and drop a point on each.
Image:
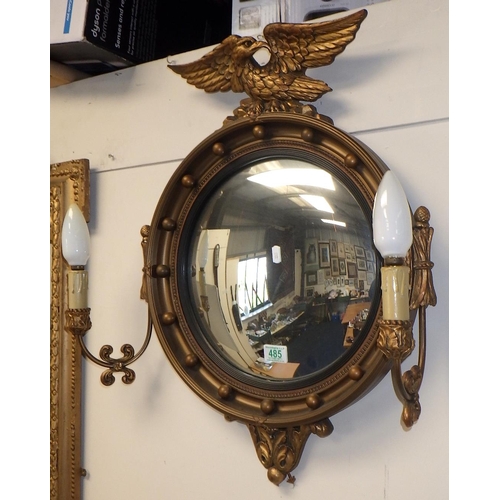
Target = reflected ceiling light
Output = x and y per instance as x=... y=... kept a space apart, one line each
x=318 y=202
x=334 y=222
x=287 y=190
x=295 y=177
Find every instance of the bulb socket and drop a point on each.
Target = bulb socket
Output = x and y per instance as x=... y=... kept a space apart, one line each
x=394 y=261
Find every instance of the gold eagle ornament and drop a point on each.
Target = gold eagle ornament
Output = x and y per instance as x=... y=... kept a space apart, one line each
x=281 y=83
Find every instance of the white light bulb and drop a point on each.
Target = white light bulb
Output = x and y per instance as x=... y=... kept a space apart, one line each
x=392 y=222
x=75 y=237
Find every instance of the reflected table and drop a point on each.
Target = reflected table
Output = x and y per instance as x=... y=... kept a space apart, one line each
x=278 y=370
x=350 y=314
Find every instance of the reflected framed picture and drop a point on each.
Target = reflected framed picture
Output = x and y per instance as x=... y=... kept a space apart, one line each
x=361 y=264
x=335 y=266
x=360 y=252
x=311 y=254
x=309 y=292
x=333 y=248
x=321 y=276
x=370 y=267
x=342 y=267
x=324 y=254
x=370 y=255
x=311 y=278
x=341 y=250
x=352 y=271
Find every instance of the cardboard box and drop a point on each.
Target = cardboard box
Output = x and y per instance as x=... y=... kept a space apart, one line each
x=96 y=36
x=251 y=16
x=309 y=10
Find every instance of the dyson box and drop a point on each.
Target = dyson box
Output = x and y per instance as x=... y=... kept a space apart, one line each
x=96 y=36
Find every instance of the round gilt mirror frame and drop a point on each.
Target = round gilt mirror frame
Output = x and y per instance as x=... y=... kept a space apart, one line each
x=280 y=415
x=272 y=135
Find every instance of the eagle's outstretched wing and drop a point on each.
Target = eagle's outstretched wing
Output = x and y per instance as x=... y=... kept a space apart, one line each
x=215 y=71
x=296 y=47
x=282 y=82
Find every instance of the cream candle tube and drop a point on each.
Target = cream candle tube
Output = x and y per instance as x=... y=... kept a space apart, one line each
x=395 y=285
x=78 y=286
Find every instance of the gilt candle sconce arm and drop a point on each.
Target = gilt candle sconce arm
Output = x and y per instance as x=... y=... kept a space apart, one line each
x=396 y=338
x=78 y=323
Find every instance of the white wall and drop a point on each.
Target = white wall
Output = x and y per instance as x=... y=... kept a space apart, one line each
x=155 y=439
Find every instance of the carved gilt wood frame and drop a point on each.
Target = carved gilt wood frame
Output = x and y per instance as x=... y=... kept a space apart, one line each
x=69 y=183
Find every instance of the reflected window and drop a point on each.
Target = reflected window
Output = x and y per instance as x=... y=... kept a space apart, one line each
x=252 y=284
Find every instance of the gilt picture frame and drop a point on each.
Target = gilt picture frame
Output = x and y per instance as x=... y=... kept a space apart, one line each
x=69 y=183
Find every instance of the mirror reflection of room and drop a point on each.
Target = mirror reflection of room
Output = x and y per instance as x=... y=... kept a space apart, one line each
x=285 y=269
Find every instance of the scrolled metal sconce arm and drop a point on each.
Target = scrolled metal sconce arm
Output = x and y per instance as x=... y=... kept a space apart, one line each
x=73 y=326
x=78 y=323
x=395 y=338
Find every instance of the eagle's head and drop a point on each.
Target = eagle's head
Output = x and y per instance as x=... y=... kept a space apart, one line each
x=245 y=48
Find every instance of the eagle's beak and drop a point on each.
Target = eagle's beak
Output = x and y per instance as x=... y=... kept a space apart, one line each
x=257 y=45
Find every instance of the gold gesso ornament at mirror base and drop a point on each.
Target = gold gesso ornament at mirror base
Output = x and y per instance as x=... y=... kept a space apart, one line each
x=279 y=449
